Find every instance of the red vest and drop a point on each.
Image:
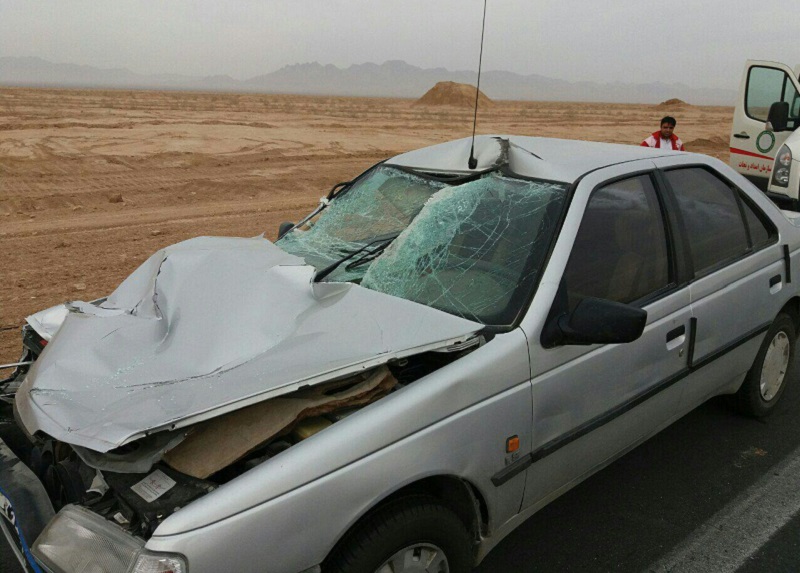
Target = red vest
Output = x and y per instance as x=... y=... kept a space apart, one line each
x=654 y=140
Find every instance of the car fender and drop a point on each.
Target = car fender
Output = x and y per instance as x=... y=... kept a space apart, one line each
x=453 y=422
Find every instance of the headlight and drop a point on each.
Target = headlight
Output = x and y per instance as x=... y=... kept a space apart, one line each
x=159 y=563
x=783 y=167
x=79 y=541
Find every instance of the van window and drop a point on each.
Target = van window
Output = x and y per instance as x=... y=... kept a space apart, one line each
x=620 y=252
x=766 y=86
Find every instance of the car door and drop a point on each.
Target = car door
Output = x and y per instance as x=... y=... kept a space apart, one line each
x=752 y=146
x=738 y=273
x=592 y=402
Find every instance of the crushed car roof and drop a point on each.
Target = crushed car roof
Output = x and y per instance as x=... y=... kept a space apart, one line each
x=540 y=157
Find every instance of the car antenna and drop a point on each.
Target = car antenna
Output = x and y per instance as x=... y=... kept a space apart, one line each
x=473 y=163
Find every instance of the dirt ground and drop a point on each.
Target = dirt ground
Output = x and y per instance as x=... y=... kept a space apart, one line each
x=92 y=182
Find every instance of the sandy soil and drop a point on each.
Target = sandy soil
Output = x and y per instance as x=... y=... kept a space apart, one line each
x=93 y=182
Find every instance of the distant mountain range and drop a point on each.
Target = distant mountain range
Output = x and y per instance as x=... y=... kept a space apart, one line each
x=394 y=78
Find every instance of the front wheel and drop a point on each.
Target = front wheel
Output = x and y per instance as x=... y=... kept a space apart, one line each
x=406 y=536
x=766 y=381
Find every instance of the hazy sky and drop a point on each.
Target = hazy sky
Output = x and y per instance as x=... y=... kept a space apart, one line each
x=703 y=43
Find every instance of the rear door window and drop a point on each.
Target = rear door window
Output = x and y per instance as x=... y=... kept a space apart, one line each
x=711 y=216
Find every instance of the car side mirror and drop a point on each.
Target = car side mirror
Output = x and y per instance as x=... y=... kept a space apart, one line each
x=284 y=228
x=778 y=117
x=596 y=321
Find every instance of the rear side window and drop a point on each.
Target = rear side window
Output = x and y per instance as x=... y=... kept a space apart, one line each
x=711 y=216
x=761 y=234
x=620 y=252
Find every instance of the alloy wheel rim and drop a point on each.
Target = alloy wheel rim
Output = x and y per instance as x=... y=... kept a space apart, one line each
x=420 y=557
x=776 y=363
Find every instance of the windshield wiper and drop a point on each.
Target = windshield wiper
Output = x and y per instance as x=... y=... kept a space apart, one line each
x=366 y=253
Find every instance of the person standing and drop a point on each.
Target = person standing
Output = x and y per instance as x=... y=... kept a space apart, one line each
x=665 y=138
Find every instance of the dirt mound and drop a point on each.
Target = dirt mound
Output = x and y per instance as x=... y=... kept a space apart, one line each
x=674 y=103
x=455 y=94
x=716 y=143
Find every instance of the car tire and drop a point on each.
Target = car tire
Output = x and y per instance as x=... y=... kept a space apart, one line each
x=768 y=377
x=408 y=535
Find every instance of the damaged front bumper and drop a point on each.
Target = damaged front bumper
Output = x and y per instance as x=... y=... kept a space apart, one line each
x=76 y=540
x=103 y=526
x=24 y=506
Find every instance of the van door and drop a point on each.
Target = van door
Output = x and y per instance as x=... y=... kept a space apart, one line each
x=753 y=147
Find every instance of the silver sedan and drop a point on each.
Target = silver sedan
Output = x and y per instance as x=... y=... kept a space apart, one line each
x=431 y=356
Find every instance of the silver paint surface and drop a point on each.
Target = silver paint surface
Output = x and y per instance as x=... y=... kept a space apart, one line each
x=291 y=510
x=208 y=326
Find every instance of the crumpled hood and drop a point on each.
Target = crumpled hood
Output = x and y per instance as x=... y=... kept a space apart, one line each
x=208 y=326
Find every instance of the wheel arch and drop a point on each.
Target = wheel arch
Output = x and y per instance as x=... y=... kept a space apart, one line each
x=792 y=308
x=457 y=494
x=757 y=396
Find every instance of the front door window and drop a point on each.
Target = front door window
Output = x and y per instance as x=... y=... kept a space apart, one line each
x=620 y=252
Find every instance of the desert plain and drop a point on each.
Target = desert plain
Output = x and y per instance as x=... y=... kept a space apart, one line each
x=93 y=182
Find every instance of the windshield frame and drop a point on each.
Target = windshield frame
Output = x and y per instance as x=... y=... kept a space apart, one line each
x=523 y=293
x=569 y=193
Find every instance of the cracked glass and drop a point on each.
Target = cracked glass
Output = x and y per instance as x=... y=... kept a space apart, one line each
x=475 y=250
x=370 y=212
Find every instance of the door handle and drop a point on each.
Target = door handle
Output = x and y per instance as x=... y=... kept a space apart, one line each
x=676 y=332
x=675 y=338
x=775 y=284
x=742 y=135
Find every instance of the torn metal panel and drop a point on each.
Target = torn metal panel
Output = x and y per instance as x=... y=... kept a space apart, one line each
x=210 y=326
x=453 y=156
x=139 y=457
x=219 y=442
x=47 y=322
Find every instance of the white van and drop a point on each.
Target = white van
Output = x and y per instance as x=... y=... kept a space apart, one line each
x=765 y=141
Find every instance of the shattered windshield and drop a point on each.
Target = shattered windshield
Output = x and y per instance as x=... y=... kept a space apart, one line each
x=475 y=250
x=376 y=207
